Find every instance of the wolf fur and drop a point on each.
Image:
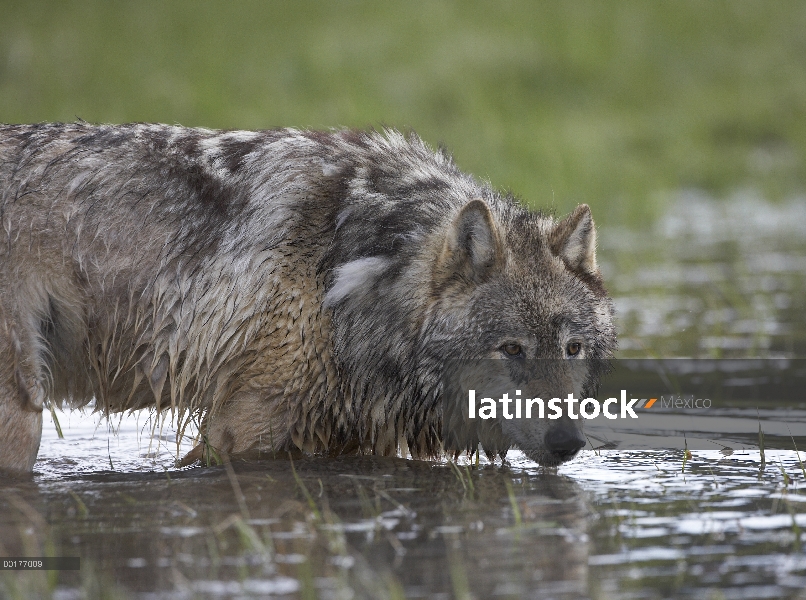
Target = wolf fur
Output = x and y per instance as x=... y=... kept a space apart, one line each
x=293 y=290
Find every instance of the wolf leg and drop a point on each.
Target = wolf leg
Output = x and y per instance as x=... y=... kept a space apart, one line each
x=247 y=426
x=20 y=432
x=20 y=407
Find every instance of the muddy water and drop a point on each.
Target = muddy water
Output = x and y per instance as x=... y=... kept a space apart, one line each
x=708 y=279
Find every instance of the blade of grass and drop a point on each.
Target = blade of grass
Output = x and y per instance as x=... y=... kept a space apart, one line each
x=797 y=453
x=516 y=511
x=236 y=488
x=305 y=492
x=55 y=418
x=686 y=455
x=761 y=443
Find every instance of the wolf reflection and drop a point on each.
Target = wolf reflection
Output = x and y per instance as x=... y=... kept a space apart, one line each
x=421 y=523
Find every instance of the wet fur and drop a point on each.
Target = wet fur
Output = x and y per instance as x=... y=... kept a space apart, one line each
x=290 y=289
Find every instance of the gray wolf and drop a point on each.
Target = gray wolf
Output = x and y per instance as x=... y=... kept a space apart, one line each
x=289 y=290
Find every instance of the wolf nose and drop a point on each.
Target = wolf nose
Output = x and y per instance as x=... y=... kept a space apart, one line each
x=564 y=442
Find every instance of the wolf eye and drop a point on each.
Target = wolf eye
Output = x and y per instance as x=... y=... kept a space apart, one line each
x=573 y=348
x=512 y=349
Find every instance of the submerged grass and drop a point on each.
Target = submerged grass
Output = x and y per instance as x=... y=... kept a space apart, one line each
x=459 y=582
x=797 y=453
x=311 y=502
x=464 y=477
x=354 y=576
x=763 y=457
x=81 y=508
x=513 y=502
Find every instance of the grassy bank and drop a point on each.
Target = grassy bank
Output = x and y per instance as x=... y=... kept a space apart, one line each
x=614 y=104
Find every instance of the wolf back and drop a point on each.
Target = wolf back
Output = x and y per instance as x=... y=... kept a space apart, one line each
x=288 y=290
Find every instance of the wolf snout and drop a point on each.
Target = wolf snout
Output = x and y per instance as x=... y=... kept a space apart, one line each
x=564 y=442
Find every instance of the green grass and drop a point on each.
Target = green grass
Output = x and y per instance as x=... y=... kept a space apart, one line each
x=610 y=103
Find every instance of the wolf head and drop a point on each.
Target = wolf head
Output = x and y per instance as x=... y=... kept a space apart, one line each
x=429 y=265
x=521 y=302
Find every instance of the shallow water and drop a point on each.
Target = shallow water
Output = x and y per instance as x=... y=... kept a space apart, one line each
x=712 y=279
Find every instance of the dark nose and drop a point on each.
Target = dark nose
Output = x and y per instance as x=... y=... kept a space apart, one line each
x=564 y=442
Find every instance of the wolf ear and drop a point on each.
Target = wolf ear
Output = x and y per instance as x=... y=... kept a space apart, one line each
x=574 y=240
x=471 y=249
